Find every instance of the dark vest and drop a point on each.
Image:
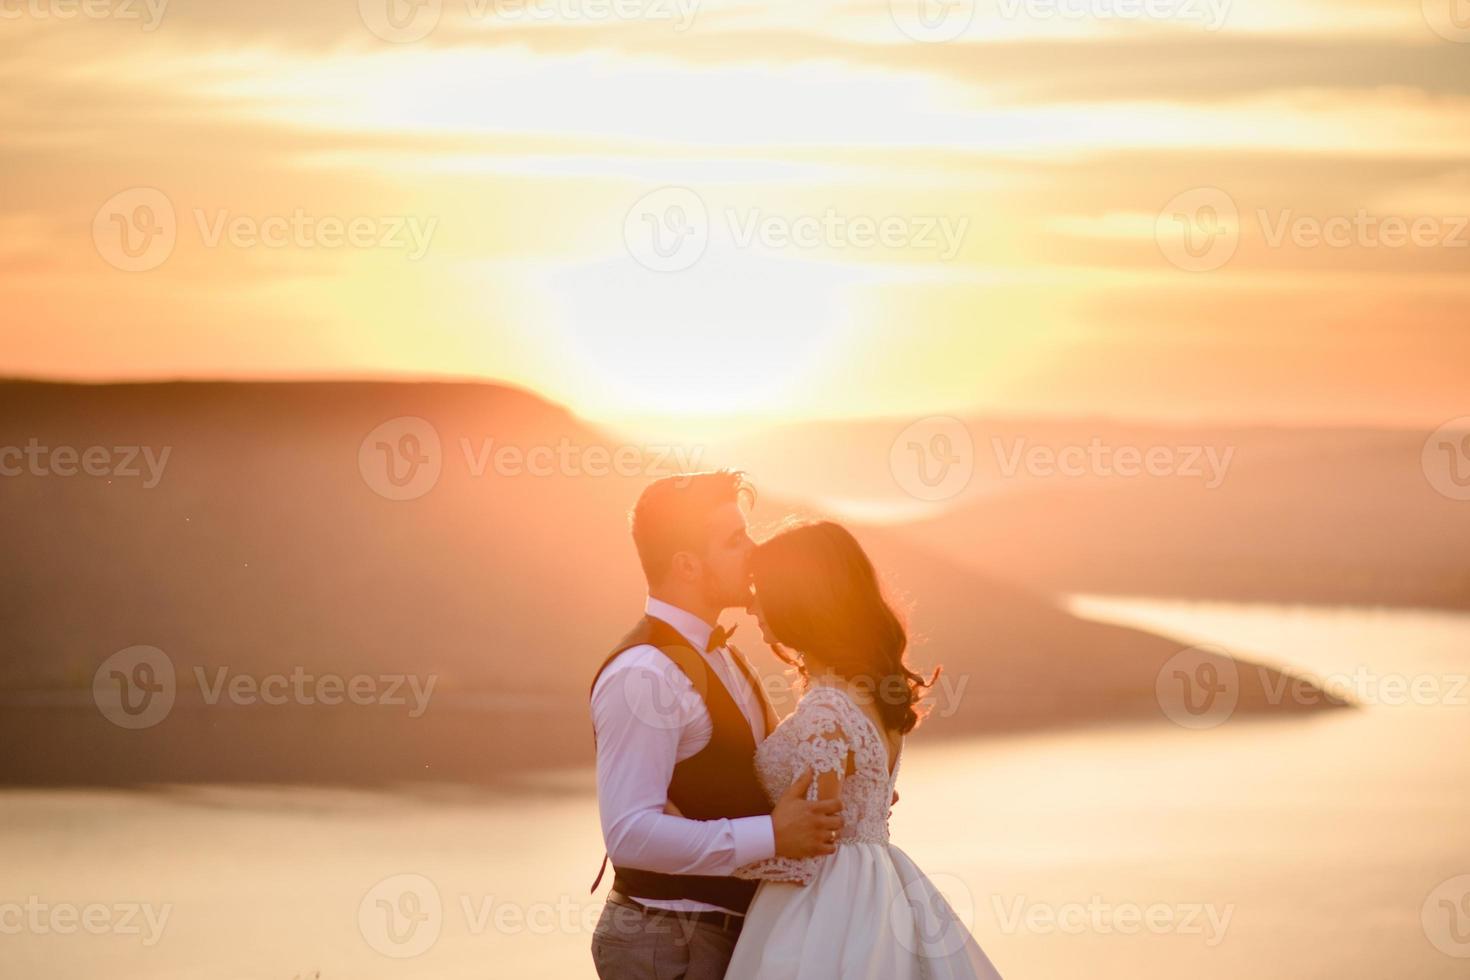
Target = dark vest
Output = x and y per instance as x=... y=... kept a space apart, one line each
x=718 y=781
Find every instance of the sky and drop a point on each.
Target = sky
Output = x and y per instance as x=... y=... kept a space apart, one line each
x=1165 y=209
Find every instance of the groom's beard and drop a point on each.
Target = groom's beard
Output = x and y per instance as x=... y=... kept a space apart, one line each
x=726 y=597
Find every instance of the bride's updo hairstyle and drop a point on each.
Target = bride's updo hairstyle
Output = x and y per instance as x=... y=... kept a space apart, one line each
x=819 y=595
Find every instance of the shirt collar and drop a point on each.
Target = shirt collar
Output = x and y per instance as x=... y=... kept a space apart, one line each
x=690 y=626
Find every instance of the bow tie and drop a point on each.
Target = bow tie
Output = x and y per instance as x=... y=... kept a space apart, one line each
x=719 y=638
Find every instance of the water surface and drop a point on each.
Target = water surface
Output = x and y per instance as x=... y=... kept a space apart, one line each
x=1298 y=848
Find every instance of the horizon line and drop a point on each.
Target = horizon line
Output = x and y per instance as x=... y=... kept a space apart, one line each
x=754 y=420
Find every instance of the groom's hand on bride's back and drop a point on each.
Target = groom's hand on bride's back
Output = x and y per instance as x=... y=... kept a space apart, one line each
x=805 y=828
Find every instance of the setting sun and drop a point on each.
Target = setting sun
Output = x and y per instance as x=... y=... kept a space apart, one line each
x=883 y=224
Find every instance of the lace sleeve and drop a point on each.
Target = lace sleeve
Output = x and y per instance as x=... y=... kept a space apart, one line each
x=818 y=742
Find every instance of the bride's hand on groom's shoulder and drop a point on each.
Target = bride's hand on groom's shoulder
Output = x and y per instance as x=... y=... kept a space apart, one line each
x=805 y=828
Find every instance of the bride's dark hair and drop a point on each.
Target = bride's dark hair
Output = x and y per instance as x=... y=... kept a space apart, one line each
x=819 y=595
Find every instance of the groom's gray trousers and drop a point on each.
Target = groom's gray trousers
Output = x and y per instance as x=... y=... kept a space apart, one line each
x=634 y=942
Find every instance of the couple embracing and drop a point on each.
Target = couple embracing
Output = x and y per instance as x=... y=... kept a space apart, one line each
x=743 y=845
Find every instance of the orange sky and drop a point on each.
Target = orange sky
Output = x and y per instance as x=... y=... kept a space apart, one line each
x=667 y=206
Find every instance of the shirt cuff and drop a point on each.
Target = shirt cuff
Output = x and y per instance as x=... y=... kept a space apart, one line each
x=755 y=839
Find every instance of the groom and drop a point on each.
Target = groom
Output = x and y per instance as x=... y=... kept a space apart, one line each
x=678 y=713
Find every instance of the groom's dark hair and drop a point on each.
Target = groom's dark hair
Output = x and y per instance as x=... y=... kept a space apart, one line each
x=671 y=515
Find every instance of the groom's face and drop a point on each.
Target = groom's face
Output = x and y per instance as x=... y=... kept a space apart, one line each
x=727 y=554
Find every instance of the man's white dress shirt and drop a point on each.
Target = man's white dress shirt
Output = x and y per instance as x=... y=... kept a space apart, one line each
x=648 y=717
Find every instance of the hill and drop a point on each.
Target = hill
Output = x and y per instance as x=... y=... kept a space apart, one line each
x=1314 y=515
x=264 y=540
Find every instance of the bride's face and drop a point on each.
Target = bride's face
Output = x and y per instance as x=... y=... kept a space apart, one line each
x=808 y=660
x=755 y=610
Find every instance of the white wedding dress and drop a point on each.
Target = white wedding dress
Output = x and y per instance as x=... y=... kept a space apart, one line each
x=866 y=912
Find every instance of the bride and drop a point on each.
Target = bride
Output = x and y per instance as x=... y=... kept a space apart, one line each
x=865 y=911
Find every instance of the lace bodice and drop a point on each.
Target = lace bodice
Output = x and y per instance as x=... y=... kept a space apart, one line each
x=826 y=729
